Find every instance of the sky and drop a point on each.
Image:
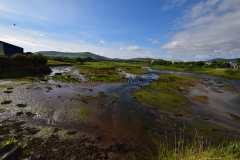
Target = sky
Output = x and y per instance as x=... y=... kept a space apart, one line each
x=186 y=30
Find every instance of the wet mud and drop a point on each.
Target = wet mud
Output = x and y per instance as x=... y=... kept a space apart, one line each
x=60 y=120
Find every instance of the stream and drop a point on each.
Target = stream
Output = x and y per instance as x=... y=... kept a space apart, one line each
x=127 y=122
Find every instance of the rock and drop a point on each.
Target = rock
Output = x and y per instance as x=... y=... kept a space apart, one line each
x=6 y=102
x=19 y=113
x=181 y=88
x=59 y=86
x=7 y=91
x=49 y=88
x=43 y=80
x=113 y=101
x=30 y=114
x=101 y=92
x=21 y=105
x=178 y=115
x=9 y=88
x=6 y=148
x=36 y=158
x=58 y=73
x=206 y=119
x=55 y=130
x=75 y=158
x=71 y=132
x=90 y=90
x=14 y=154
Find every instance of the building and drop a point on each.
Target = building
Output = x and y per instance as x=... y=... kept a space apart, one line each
x=233 y=65
x=9 y=49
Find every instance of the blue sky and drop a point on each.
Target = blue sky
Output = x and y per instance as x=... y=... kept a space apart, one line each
x=161 y=29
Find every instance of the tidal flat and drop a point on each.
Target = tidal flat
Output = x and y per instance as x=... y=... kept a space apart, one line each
x=55 y=117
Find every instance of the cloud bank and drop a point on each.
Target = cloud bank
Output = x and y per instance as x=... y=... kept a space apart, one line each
x=208 y=29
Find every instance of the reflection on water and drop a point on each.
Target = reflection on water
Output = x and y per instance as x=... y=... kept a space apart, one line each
x=127 y=121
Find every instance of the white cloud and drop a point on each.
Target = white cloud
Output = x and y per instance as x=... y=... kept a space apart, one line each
x=153 y=41
x=206 y=28
x=133 y=48
x=120 y=49
x=172 y=3
x=150 y=39
x=102 y=42
x=25 y=38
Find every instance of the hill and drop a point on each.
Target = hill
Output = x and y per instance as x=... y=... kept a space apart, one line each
x=220 y=59
x=72 y=54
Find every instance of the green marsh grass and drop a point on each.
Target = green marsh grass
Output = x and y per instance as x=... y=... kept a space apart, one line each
x=11 y=74
x=196 y=149
x=220 y=72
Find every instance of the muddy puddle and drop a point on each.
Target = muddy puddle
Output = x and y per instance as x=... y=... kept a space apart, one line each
x=111 y=112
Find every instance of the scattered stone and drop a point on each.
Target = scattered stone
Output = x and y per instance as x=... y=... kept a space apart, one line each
x=30 y=114
x=104 y=96
x=49 y=88
x=181 y=89
x=7 y=91
x=47 y=91
x=178 y=115
x=101 y=92
x=113 y=101
x=6 y=102
x=36 y=158
x=90 y=90
x=21 y=105
x=55 y=130
x=9 y=88
x=59 y=86
x=6 y=148
x=59 y=97
x=27 y=88
x=213 y=129
x=43 y=80
x=206 y=118
x=71 y=132
x=14 y=154
x=75 y=158
x=19 y=113
x=235 y=117
x=216 y=90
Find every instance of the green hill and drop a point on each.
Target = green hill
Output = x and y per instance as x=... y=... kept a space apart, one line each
x=220 y=59
x=72 y=54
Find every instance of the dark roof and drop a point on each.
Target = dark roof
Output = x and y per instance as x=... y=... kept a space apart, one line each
x=11 y=44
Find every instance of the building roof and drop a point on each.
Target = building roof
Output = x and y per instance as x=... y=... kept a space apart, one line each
x=10 y=44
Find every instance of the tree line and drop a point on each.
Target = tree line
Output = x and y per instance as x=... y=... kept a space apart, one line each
x=193 y=64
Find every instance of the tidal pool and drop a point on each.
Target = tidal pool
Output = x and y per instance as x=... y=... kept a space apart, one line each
x=206 y=104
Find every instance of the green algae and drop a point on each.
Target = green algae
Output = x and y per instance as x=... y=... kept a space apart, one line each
x=134 y=70
x=116 y=96
x=76 y=114
x=201 y=99
x=229 y=88
x=46 y=131
x=166 y=94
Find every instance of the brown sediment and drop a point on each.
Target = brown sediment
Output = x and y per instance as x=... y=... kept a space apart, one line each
x=201 y=99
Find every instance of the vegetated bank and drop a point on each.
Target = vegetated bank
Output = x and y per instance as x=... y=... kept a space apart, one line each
x=19 y=65
x=221 y=68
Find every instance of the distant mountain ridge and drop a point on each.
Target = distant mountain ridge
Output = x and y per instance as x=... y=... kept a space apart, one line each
x=72 y=54
x=97 y=57
x=87 y=54
x=220 y=59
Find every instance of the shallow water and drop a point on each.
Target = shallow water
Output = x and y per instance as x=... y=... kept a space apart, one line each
x=128 y=121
